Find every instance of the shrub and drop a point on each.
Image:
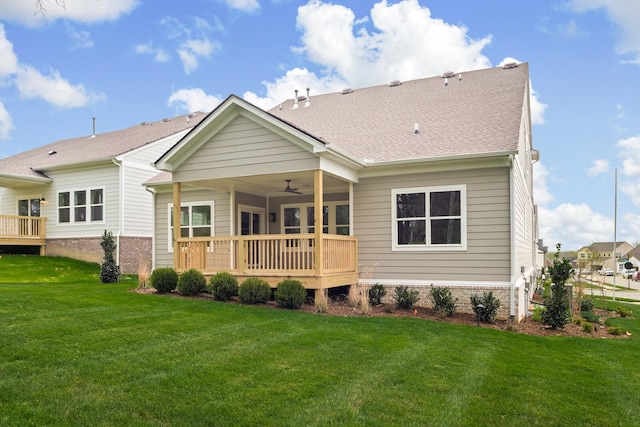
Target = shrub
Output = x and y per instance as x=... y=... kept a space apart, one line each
x=223 y=286
x=615 y=330
x=290 y=294
x=587 y=327
x=405 y=297
x=164 y=279
x=557 y=314
x=192 y=282
x=254 y=291
x=590 y=316
x=376 y=293
x=537 y=313
x=587 y=304
x=623 y=312
x=489 y=311
x=442 y=300
x=109 y=270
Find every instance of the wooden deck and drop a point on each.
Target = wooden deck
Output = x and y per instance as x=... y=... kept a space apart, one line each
x=23 y=231
x=274 y=258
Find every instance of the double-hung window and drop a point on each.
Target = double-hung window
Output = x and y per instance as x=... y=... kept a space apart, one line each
x=196 y=220
x=299 y=218
x=429 y=218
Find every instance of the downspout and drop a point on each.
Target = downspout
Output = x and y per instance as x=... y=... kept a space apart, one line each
x=512 y=290
x=153 y=227
x=120 y=208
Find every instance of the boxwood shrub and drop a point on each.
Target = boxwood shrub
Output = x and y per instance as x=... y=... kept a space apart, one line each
x=223 y=286
x=290 y=294
x=254 y=291
x=164 y=279
x=192 y=282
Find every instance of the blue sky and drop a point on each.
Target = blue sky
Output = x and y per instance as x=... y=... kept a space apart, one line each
x=128 y=61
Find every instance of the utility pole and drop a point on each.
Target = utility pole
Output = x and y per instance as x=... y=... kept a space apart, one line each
x=615 y=230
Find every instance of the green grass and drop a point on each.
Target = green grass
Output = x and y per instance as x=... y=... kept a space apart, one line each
x=78 y=352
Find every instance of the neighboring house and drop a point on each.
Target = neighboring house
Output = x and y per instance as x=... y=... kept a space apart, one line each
x=600 y=255
x=418 y=183
x=61 y=197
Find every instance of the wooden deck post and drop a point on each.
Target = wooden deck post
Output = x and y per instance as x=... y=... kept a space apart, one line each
x=318 y=223
x=176 y=224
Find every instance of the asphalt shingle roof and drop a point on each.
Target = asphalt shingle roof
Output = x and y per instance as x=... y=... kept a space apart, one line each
x=476 y=112
x=88 y=149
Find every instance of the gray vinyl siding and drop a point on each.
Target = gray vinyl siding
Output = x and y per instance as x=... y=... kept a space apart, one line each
x=152 y=152
x=525 y=234
x=487 y=257
x=105 y=177
x=245 y=148
x=221 y=220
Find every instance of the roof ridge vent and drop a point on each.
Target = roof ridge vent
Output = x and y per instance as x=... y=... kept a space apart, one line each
x=448 y=74
x=347 y=91
x=510 y=65
x=395 y=83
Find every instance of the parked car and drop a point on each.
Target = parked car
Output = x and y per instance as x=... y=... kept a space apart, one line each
x=636 y=276
x=606 y=272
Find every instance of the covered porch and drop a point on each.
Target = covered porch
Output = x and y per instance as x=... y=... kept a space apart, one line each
x=319 y=257
x=23 y=231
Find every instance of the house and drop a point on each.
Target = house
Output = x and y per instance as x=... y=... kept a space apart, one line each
x=61 y=197
x=634 y=256
x=417 y=183
x=600 y=255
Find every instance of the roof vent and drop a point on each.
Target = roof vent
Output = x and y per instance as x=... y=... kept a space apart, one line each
x=347 y=91
x=509 y=65
x=144 y=123
x=52 y=152
x=416 y=129
x=165 y=120
x=448 y=74
x=190 y=116
x=306 y=104
x=395 y=83
x=295 y=99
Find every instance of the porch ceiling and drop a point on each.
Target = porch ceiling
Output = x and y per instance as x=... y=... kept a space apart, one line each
x=274 y=184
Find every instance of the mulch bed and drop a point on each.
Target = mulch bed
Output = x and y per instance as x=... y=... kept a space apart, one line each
x=525 y=326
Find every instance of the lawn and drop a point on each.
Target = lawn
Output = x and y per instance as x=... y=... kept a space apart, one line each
x=74 y=351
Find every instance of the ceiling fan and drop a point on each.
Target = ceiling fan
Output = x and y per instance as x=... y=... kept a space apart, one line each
x=288 y=188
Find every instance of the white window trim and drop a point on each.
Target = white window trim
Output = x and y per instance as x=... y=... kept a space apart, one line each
x=182 y=205
x=88 y=205
x=303 y=214
x=429 y=247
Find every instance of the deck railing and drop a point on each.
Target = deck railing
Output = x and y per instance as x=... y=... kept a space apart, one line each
x=16 y=228
x=273 y=255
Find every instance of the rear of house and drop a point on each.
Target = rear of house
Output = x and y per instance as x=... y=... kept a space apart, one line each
x=417 y=183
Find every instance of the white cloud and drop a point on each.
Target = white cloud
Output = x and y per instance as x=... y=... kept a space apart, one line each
x=81 y=39
x=626 y=15
x=629 y=153
x=541 y=194
x=193 y=49
x=537 y=108
x=405 y=43
x=244 y=5
x=85 y=11
x=52 y=88
x=190 y=100
x=6 y=123
x=573 y=226
x=9 y=62
x=147 y=48
x=599 y=166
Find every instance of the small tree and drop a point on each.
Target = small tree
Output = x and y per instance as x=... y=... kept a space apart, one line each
x=557 y=313
x=109 y=271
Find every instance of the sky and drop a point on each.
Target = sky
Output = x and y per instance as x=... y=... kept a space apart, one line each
x=129 y=61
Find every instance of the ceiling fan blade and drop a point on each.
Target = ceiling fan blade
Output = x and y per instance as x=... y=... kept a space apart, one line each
x=288 y=188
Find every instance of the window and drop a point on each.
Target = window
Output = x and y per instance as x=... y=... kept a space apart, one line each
x=196 y=220
x=299 y=218
x=81 y=206
x=29 y=207
x=429 y=218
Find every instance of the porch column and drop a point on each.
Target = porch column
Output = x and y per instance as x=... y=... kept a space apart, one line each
x=176 y=224
x=318 y=225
